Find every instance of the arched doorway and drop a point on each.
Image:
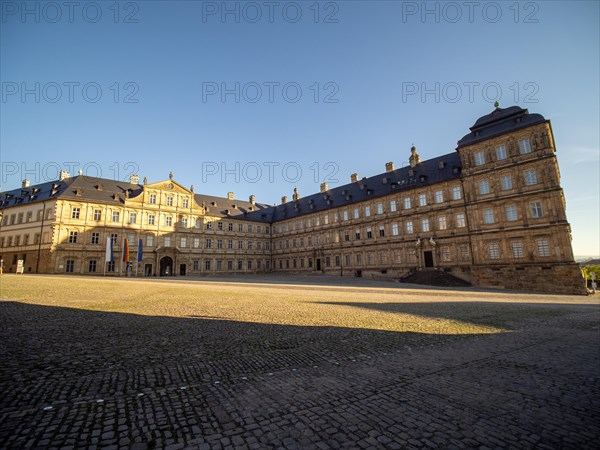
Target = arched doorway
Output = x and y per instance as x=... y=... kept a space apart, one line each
x=166 y=266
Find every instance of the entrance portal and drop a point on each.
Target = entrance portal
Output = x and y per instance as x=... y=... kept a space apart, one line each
x=318 y=264
x=182 y=268
x=428 y=258
x=166 y=266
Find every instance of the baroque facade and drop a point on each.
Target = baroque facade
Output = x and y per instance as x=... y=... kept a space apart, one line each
x=492 y=212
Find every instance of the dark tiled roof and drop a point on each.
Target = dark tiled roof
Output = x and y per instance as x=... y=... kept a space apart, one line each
x=33 y=194
x=498 y=122
x=442 y=168
x=236 y=209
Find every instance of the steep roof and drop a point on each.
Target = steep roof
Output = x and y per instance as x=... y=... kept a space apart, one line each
x=498 y=122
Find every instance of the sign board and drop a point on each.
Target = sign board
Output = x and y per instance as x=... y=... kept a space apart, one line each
x=20 y=266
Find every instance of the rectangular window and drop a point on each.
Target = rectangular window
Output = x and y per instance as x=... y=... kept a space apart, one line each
x=524 y=146
x=219 y=265
x=70 y=266
x=381 y=231
x=484 y=187
x=240 y=264
x=367 y=211
x=369 y=233
x=394 y=229
x=445 y=254
x=209 y=243
x=92 y=265
x=240 y=227
x=113 y=238
x=356 y=234
x=456 y=194
x=506 y=182
x=209 y=225
x=543 y=247
x=150 y=240
x=464 y=252
x=250 y=228
x=393 y=207
x=186 y=203
x=479 y=158
x=501 y=152
x=152 y=199
x=95 y=238
x=196 y=242
x=345 y=215
x=151 y=219
x=379 y=208
x=442 y=223
x=169 y=201
x=422 y=200
x=72 y=237
x=229 y=226
x=425 y=225
x=132 y=217
x=183 y=242
x=75 y=213
x=240 y=245
x=409 y=226
x=184 y=222
x=406 y=202
x=168 y=221
x=230 y=265
x=488 y=216
x=167 y=241
x=207 y=265
x=249 y=264
x=511 y=213
x=439 y=196
x=517 y=249
x=230 y=244
x=358 y=259
x=536 y=210
x=116 y=216
x=494 y=251
x=530 y=177
x=195 y=264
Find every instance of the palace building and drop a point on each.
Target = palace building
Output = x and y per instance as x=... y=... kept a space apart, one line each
x=492 y=212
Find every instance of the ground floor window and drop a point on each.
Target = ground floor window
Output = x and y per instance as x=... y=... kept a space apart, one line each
x=110 y=267
x=92 y=265
x=70 y=266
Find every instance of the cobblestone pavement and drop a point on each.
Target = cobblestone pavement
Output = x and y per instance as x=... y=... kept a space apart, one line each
x=74 y=378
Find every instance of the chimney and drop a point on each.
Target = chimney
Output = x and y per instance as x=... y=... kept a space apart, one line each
x=324 y=187
x=296 y=196
x=25 y=183
x=253 y=199
x=284 y=199
x=354 y=178
x=389 y=167
x=64 y=174
x=230 y=196
x=134 y=179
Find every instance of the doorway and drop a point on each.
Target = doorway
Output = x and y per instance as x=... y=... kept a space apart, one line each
x=166 y=266
x=182 y=268
x=148 y=270
x=428 y=256
x=318 y=264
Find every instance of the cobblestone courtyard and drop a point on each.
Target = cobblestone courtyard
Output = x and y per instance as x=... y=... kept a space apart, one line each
x=286 y=362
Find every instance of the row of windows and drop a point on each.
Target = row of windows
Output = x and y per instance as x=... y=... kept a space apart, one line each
x=25 y=217
x=94 y=265
x=501 y=152
x=542 y=248
x=15 y=241
x=510 y=213
x=506 y=183
x=185 y=202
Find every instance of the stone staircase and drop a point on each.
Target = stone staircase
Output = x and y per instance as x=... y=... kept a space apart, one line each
x=433 y=277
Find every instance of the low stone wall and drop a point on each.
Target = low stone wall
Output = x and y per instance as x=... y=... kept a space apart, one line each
x=551 y=278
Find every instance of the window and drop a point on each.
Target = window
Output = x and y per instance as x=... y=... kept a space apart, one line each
x=113 y=238
x=196 y=242
x=501 y=152
x=167 y=241
x=240 y=245
x=442 y=223
x=207 y=264
x=150 y=240
x=488 y=216
x=381 y=231
x=152 y=199
x=240 y=264
x=209 y=243
x=70 y=266
x=18 y=239
x=511 y=213
x=369 y=233
x=394 y=229
x=151 y=219
x=240 y=227
x=75 y=213
x=195 y=263
x=110 y=266
x=494 y=251
x=425 y=225
x=220 y=226
x=72 y=237
x=230 y=244
x=186 y=203
x=524 y=146
x=464 y=252
x=358 y=259
x=116 y=216
x=132 y=217
x=229 y=226
x=249 y=264
x=184 y=222
x=219 y=243
x=479 y=158
x=95 y=238
x=445 y=254
x=356 y=234
x=219 y=264
x=209 y=225
x=379 y=208
x=530 y=177
x=230 y=265
x=484 y=187
x=422 y=200
x=517 y=249
x=409 y=226
x=168 y=221
x=345 y=215
x=536 y=210
x=183 y=242
x=543 y=247
x=250 y=228
x=169 y=201
x=439 y=196
x=393 y=207
x=29 y=216
x=506 y=182
x=367 y=211
x=92 y=265
x=406 y=202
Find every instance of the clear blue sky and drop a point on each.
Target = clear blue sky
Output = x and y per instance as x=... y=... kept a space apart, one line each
x=369 y=56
